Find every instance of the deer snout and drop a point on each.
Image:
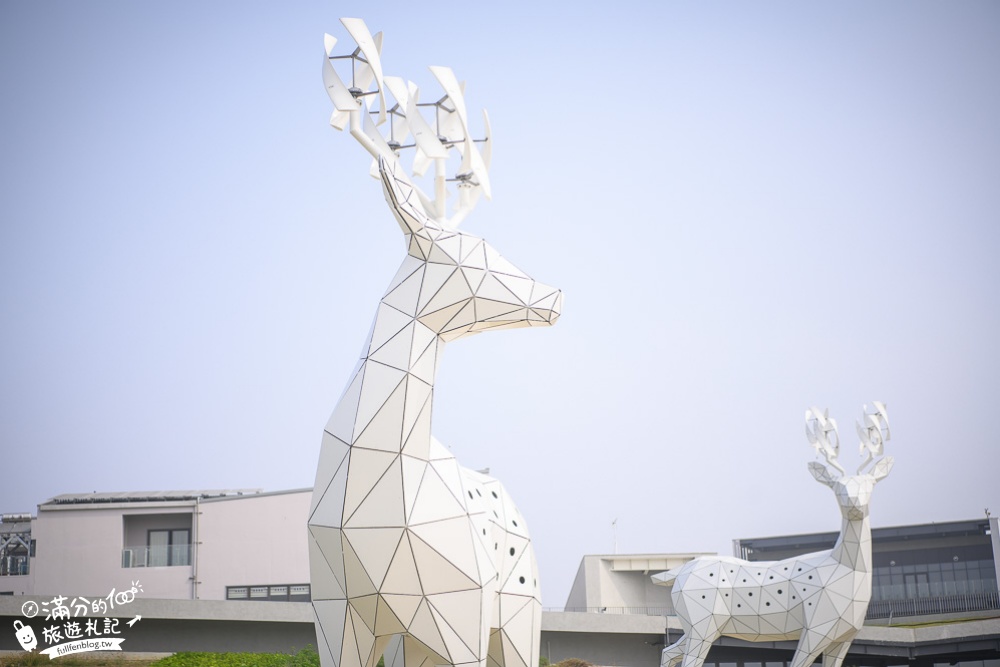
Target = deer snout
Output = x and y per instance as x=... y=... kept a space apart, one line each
x=548 y=305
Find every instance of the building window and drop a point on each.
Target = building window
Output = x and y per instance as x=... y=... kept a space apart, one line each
x=169 y=547
x=278 y=592
x=156 y=540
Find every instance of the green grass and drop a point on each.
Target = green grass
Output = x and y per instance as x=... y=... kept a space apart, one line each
x=37 y=659
x=307 y=657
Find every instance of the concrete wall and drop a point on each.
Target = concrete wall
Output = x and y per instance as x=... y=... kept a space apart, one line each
x=78 y=551
x=244 y=540
x=252 y=540
x=616 y=582
x=170 y=626
x=623 y=640
x=995 y=541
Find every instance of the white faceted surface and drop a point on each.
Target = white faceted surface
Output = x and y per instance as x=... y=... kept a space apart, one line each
x=820 y=599
x=413 y=556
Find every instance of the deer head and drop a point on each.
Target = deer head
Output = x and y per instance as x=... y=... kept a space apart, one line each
x=455 y=283
x=854 y=491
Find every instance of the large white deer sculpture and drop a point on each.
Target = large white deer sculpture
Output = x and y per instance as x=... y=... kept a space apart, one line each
x=820 y=599
x=409 y=550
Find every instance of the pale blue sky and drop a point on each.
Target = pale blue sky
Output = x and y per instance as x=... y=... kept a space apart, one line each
x=751 y=207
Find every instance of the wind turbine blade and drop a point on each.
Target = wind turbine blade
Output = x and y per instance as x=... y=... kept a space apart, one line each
x=384 y=150
x=329 y=41
x=425 y=137
x=371 y=48
x=480 y=169
x=488 y=144
x=452 y=89
x=400 y=126
x=338 y=119
x=420 y=163
x=397 y=88
x=335 y=88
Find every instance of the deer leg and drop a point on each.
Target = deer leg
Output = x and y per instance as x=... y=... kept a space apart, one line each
x=672 y=654
x=834 y=654
x=359 y=642
x=696 y=650
x=524 y=643
x=378 y=651
x=806 y=655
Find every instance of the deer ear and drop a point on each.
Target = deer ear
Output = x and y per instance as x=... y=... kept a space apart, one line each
x=821 y=473
x=881 y=469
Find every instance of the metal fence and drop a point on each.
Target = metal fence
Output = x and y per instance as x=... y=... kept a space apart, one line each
x=642 y=611
x=949 y=604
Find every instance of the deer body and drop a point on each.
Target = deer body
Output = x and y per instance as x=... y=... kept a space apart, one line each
x=404 y=541
x=820 y=599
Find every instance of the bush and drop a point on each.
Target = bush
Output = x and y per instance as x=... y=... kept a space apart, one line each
x=224 y=660
x=307 y=657
x=573 y=662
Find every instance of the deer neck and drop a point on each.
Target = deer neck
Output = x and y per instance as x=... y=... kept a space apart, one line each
x=854 y=545
x=397 y=372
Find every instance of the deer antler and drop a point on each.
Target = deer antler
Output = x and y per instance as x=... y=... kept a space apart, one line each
x=873 y=429
x=432 y=141
x=819 y=427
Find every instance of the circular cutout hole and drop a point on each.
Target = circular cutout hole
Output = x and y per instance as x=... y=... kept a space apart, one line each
x=512 y=551
x=521 y=579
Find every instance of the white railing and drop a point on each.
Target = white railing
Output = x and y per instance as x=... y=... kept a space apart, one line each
x=159 y=556
x=945 y=604
x=877 y=609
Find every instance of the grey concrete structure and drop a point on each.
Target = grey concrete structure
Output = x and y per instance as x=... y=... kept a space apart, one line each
x=604 y=639
x=619 y=622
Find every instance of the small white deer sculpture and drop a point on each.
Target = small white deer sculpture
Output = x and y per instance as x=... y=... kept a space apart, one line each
x=820 y=599
x=409 y=550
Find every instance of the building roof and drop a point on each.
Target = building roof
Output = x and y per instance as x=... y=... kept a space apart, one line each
x=647 y=562
x=882 y=536
x=144 y=496
x=16 y=527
